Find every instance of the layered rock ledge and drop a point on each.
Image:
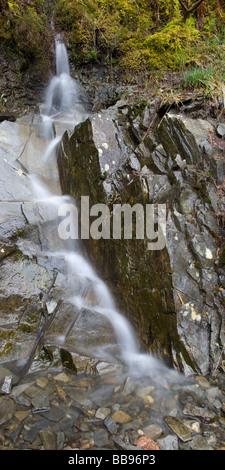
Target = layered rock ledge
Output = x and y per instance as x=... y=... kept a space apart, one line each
x=175 y=296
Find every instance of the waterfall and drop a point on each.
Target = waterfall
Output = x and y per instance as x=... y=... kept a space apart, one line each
x=62 y=93
x=62 y=62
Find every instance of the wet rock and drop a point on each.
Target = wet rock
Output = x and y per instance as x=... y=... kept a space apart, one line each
x=12 y=140
x=153 y=430
x=212 y=394
x=102 y=413
x=7 y=384
x=4 y=372
x=168 y=443
x=6 y=409
x=146 y=443
x=60 y=439
x=23 y=277
x=120 y=444
x=84 y=382
x=193 y=425
x=87 y=444
x=101 y=438
x=49 y=439
x=31 y=430
x=21 y=415
x=62 y=377
x=200 y=443
x=111 y=425
x=194 y=410
x=91 y=329
x=103 y=153
x=121 y=417
x=179 y=428
x=55 y=413
x=67 y=360
x=195 y=334
x=91 y=161
x=12 y=219
x=42 y=382
x=185 y=136
x=14 y=183
x=40 y=403
x=221 y=130
x=149 y=400
x=7 y=117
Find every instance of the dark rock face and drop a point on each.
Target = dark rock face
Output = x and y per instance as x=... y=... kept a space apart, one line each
x=22 y=82
x=172 y=295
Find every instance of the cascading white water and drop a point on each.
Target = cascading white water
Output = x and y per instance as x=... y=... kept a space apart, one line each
x=104 y=304
x=51 y=150
x=62 y=62
x=62 y=93
x=63 y=90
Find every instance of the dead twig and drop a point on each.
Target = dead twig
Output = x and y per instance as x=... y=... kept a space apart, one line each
x=218 y=362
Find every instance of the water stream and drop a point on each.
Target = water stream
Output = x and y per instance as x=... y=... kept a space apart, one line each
x=62 y=105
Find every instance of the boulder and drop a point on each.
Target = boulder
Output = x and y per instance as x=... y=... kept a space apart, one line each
x=112 y=159
x=185 y=136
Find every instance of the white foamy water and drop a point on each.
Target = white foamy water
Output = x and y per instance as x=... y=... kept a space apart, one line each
x=62 y=93
x=51 y=150
x=62 y=62
x=104 y=304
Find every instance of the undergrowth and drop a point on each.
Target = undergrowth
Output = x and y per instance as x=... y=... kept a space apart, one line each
x=141 y=34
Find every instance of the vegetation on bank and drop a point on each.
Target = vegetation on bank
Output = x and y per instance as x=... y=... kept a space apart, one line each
x=145 y=34
x=141 y=36
x=24 y=27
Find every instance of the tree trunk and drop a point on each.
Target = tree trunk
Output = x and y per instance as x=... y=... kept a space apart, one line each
x=187 y=10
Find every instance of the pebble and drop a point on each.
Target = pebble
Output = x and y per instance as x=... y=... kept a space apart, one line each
x=40 y=404
x=101 y=438
x=78 y=412
x=110 y=425
x=6 y=409
x=32 y=391
x=149 y=400
x=21 y=415
x=203 y=382
x=200 y=443
x=222 y=420
x=146 y=443
x=49 y=439
x=123 y=445
x=102 y=413
x=60 y=439
x=194 y=410
x=212 y=394
x=153 y=431
x=61 y=393
x=42 y=382
x=193 y=425
x=7 y=384
x=168 y=443
x=221 y=130
x=179 y=428
x=62 y=378
x=143 y=392
x=84 y=383
x=121 y=417
x=87 y=443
